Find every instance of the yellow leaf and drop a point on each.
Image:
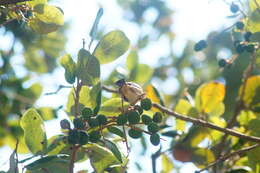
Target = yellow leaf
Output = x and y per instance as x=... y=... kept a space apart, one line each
x=167 y=164
x=251 y=90
x=208 y=96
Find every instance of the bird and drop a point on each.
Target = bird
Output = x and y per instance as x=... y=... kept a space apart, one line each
x=131 y=92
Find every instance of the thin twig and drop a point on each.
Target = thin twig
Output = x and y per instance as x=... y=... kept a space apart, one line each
x=109 y=89
x=72 y=158
x=227 y=156
x=58 y=89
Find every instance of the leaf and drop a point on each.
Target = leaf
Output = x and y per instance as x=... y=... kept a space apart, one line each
x=50 y=162
x=172 y=133
x=10 y=140
x=88 y=68
x=167 y=164
x=46 y=19
x=100 y=157
x=208 y=96
x=253 y=22
x=94 y=28
x=47 y=113
x=34 y=132
x=114 y=149
x=245 y=116
x=202 y=156
x=55 y=145
x=95 y=95
x=70 y=68
x=36 y=2
x=141 y=70
x=132 y=59
x=116 y=131
x=111 y=46
x=112 y=107
x=254 y=127
x=153 y=94
x=253 y=4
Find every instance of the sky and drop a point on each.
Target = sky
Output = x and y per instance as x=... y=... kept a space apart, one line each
x=193 y=20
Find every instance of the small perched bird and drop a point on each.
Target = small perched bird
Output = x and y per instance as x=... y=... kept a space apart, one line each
x=130 y=91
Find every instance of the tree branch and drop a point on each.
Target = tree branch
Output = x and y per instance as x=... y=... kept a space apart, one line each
x=58 y=89
x=198 y=121
x=72 y=158
x=227 y=156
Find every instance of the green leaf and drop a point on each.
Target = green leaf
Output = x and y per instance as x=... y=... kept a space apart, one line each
x=141 y=70
x=208 y=96
x=100 y=157
x=245 y=117
x=254 y=127
x=49 y=162
x=167 y=164
x=94 y=28
x=70 y=68
x=46 y=19
x=47 y=113
x=88 y=68
x=34 y=132
x=95 y=95
x=36 y=2
x=253 y=4
x=114 y=149
x=112 y=107
x=116 y=131
x=132 y=59
x=56 y=144
x=111 y=46
x=202 y=156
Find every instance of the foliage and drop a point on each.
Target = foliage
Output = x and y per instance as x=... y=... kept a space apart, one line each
x=98 y=123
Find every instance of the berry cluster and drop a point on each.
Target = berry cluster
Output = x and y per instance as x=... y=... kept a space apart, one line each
x=88 y=127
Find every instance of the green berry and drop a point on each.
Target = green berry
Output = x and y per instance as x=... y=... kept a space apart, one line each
x=222 y=63
x=86 y=113
x=153 y=127
x=133 y=117
x=139 y=109
x=247 y=36
x=146 y=119
x=93 y=122
x=146 y=104
x=78 y=123
x=200 y=45
x=94 y=136
x=155 y=139
x=234 y=8
x=73 y=137
x=157 y=118
x=240 y=48
x=134 y=133
x=102 y=119
x=121 y=119
x=240 y=25
x=83 y=138
x=65 y=124
x=250 y=48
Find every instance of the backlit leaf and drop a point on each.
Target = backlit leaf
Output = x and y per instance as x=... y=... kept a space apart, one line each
x=114 y=149
x=88 y=68
x=132 y=59
x=111 y=46
x=94 y=28
x=70 y=68
x=202 y=156
x=140 y=71
x=167 y=164
x=112 y=107
x=208 y=96
x=34 y=132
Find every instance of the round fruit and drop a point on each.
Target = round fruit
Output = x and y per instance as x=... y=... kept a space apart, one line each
x=86 y=113
x=146 y=119
x=133 y=117
x=83 y=138
x=250 y=48
x=102 y=119
x=139 y=109
x=181 y=154
x=157 y=118
x=153 y=127
x=93 y=122
x=155 y=139
x=146 y=104
x=121 y=119
x=234 y=8
x=200 y=45
x=65 y=124
x=222 y=63
x=240 y=25
x=94 y=136
x=78 y=123
x=134 y=133
x=73 y=137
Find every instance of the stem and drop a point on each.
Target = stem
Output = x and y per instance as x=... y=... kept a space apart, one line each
x=72 y=159
x=227 y=156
